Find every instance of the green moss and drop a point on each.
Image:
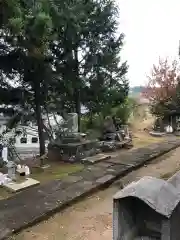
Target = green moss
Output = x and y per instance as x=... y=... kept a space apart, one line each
x=140 y=142
x=55 y=171
x=4 y=193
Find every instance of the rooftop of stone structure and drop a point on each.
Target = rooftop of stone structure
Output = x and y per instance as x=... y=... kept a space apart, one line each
x=158 y=194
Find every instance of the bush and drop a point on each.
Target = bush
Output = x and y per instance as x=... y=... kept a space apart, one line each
x=91 y=122
x=122 y=112
x=125 y=110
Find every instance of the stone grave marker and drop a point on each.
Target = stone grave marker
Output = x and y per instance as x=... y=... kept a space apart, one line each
x=147 y=209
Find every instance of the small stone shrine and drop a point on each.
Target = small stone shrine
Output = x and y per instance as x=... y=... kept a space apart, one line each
x=147 y=209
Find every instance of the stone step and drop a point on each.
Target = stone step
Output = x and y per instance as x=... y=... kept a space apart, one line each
x=109 y=146
x=94 y=159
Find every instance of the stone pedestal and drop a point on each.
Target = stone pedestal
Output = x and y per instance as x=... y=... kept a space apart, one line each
x=71 y=151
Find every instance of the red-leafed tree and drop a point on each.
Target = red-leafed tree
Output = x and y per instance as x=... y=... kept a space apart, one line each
x=162 y=82
x=162 y=85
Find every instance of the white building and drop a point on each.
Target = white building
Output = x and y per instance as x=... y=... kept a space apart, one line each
x=25 y=138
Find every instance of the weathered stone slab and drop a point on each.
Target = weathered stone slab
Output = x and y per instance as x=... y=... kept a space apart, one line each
x=104 y=164
x=72 y=179
x=94 y=159
x=92 y=175
x=134 y=158
x=16 y=187
x=34 y=211
x=105 y=179
x=119 y=170
x=157 y=134
x=119 y=161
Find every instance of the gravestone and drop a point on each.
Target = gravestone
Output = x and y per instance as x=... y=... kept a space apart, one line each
x=72 y=122
x=71 y=146
x=147 y=209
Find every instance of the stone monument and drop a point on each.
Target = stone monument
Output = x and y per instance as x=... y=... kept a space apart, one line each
x=72 y=122
x=147 y=209
x=71 y=145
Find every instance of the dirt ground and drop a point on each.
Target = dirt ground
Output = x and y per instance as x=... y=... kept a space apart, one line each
x=92 y=218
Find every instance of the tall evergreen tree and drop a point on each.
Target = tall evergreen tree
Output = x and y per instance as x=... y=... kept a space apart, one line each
x=88 y=54
x=29 y=37
x=58 y=55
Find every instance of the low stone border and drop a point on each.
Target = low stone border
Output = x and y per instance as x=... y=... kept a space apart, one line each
x=33 y=205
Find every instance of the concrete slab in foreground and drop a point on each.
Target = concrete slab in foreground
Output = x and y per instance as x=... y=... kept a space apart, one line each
x=35 y=204
x=16 y=187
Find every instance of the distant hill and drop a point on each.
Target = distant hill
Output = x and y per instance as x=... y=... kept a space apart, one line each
x=135 y=91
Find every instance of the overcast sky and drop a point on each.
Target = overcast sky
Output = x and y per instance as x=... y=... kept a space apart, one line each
x=152 y=29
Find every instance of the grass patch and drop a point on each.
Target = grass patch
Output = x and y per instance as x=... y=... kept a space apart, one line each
x=93 y=134
x=144 y=140
x=55 y=171
x=4 y=193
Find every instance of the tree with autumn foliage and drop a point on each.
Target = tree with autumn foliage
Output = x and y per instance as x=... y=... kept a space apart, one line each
x=161 y=87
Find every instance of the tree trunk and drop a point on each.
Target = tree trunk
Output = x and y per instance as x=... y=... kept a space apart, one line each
x=78 y=108
x=50 y=130
x=90 y=118
x=39 y=119
x=77 y=90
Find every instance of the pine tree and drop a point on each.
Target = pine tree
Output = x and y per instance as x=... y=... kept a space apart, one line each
x=88 y=55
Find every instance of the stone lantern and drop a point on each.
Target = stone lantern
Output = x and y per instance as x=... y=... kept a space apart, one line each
x=11 y=166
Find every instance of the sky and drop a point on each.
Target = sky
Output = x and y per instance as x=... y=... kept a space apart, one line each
x=152 y=30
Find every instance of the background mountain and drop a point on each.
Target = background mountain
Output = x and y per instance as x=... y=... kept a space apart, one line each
x=135 y=91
